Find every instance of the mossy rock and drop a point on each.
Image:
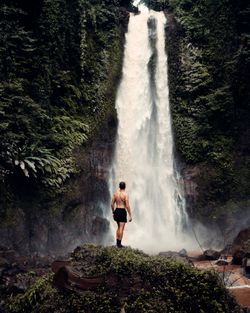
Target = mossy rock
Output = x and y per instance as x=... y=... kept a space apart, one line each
x=165 y=286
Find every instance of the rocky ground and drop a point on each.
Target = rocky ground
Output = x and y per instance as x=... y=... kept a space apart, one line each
x=232 y=264
x=107 y=279
x=232 y=276
x=18 y=273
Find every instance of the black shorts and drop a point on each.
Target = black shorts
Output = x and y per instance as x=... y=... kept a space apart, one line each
x=120 y=215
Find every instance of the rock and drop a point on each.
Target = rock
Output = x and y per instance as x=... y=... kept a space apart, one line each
x=243 y=297
x=13 y=271
x=3 y=248
x=3 y=262
x=116 y=278
x=17 y=273
x=181 y=256
x=183 y=252
x=169 y=254
x=221 y=262
x=211 y=254
x=201 y=257
x=8 y=254
x=67 y=276
x=189 y=183
x=227 y=250
x=78 y=216
x=241 y=238
x=238 y=256
x=246 y=265
x=241 y=246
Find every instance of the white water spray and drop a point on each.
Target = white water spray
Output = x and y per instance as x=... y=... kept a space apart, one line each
x=144 y=147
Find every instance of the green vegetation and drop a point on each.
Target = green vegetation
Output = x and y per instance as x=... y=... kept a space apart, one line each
x=208 y=44
x=60 y=63
x=145 y=284
x=55 y=82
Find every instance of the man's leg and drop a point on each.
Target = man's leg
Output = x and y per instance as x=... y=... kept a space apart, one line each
x=119 y=233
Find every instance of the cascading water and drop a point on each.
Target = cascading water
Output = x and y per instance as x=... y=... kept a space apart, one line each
x=144 y=147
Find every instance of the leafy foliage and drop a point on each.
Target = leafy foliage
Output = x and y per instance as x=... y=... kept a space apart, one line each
x=55 y=75
x=60 y=63
x=169 y=286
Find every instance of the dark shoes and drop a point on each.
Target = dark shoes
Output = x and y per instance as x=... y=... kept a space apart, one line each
x=119 y=243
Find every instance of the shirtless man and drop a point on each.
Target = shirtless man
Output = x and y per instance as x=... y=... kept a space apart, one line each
x=120 y=206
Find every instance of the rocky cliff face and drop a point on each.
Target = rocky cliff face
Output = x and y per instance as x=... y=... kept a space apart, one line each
x=73 y=217
x=43 y=218
x=211 y=142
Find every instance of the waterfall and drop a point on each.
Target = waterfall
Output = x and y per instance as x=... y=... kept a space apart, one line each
x=144 y=146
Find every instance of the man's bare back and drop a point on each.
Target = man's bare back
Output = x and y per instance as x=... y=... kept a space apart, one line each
x=121 y=199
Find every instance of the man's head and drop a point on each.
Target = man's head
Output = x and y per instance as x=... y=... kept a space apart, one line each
x=122 y=185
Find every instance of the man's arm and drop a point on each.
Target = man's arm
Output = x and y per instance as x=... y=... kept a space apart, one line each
x=113 y=204
x=128 y=208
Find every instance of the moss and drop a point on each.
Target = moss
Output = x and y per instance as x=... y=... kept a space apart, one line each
x=207 y=108
x=165 y=286
x=80 y=82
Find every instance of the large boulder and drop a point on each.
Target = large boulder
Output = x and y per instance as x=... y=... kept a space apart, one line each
x=180 y=256
x=208 y=255
x=246 y=264
x=241 y=246
x=238 y=256
x=98 y=279
x=241 y=239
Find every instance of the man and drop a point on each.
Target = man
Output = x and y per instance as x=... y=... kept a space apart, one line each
x=120 y=206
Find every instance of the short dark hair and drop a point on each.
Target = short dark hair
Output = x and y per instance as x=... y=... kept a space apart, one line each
x=122 y=185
